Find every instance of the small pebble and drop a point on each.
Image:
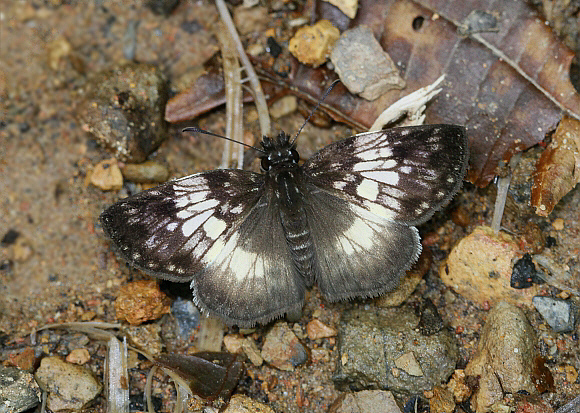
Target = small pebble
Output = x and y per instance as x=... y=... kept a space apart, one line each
x=366 y=401
x=312 y=45
x=69 y=386
x=252 y=351
x=141 y=301
x=162 y=7
x=559 y=314
x=187 y=317
x=558 y=224
x=458 y=386
x=282 y=349
x=408 y=363
x=441 y=401
x=506 y=350
x=78 y=356
x=348 y=7
x=363 y=66
x=107 y=176
x=146 y=172
x=284 y=106
x=316 y=329
x=243 y=404
x=233 y=343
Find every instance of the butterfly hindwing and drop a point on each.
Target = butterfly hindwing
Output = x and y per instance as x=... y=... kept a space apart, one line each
x=252 y=277
x=403 y=174
x=359 y=253
x=167 y=231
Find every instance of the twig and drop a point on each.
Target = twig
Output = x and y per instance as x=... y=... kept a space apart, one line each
x=260 y=100
x=234 y=103
x=503 y=185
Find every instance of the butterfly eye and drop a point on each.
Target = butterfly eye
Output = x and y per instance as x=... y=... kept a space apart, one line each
x=265 y=164
x=294 y=156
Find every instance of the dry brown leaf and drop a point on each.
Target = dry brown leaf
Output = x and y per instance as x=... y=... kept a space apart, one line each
x=558 y=170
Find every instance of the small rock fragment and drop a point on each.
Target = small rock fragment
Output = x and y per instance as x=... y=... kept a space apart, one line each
x=252 y=351
x=348 y=7
x=25 y=360
x=505 y=356
x=243 y=404
x=317 y=329
x=311 y=45
x=141 y=301
x=284 y=106
x=408 y=363
x=251 y=19
x=366 y=401
x=282 y=349
x=457 y=385
x=69 y=386
x=107 y=176
x=442 y=401
x=187 y=317
x=524 y=273
x=480 y=266
x=162 y=7
x=430 y=322
x=21 y=250
x=18 y=390
x=363 y=66
x=146 y=337
x=233 y=343
x=559 y=314
x=58 y=49
x=78 y=356
x=146 y=172
x=124 y=109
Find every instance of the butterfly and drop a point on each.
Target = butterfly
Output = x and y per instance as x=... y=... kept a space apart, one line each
x=250 y=244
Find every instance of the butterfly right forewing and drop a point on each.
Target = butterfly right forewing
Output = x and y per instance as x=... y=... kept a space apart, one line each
x=403 y=174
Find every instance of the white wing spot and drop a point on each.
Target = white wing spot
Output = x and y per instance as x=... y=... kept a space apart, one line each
x=136 y=256
x=214 y=227
x=340 y=185
x=237 y=209
x=386 y=177
x=171 y=227
x=368 y=189
x=194 y=223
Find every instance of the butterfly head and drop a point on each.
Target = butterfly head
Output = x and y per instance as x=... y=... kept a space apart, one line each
x=278 y=152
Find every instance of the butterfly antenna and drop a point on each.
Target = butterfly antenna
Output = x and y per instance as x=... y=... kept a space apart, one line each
x=316 y=107
x=205 y=132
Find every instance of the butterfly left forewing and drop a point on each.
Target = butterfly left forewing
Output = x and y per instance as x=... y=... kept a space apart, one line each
x=403 y=174
x=167 y=231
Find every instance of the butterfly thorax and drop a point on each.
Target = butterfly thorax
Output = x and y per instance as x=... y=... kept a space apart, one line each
x=285 y=177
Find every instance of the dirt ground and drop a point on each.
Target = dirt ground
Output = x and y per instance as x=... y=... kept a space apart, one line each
x=65 y=268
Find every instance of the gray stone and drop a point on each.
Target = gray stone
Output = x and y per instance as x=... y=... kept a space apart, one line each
x=18 y=390
x=187 y=317
x=363 y=66
x=124 y=108
x=504 y=361
x=558 y=313
x=370 y=341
